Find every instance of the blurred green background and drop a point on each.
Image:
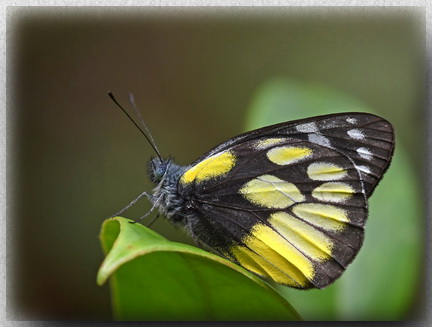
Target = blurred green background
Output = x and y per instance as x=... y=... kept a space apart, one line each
x=198 y=76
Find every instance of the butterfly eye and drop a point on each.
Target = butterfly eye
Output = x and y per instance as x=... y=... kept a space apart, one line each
x=156 y=169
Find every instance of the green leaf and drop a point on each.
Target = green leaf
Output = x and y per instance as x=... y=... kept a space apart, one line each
x=152 y=278
x=382 y=282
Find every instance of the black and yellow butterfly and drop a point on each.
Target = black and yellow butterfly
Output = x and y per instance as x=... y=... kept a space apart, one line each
x=288 y=201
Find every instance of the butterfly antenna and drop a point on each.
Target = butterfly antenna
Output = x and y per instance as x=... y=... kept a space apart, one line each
x=132 y=101
x=149 y=139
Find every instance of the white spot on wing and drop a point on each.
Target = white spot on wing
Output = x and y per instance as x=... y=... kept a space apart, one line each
x=351 y=120
x=356 y=134
x=319 y=139
x=364 y=153
x=314 y=135
x=364 y=169
x=307 y=128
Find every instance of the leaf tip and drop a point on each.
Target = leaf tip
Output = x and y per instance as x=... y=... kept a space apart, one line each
x=101 y=276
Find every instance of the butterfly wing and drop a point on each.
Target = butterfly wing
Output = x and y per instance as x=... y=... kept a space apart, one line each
x=289 y=201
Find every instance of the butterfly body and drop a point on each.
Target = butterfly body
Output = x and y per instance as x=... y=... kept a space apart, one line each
x=166 y=174
x=288 y=201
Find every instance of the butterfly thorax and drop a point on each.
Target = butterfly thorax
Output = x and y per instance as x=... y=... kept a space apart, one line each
x=166 y=174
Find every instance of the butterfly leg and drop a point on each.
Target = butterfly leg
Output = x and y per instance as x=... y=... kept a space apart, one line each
x=155 y=204
x=153 y=220
x=132 y=203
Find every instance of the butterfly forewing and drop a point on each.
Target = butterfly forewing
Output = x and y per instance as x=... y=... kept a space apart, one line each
x=366 y=139
x=289 y=201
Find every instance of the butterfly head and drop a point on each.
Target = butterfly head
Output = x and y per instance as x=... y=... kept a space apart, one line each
x=157 y=169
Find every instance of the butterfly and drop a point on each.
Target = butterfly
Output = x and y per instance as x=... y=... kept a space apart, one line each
x=288 y=202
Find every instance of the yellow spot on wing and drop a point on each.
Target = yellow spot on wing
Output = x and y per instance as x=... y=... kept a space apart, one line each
x=324 y=171
x=268 y=244
x=258 y=265
x=326 y=216
x=271 y=192
x=333 y=192
x=264 y=144
x=285 y=155
x=212 y=167
x=303 y=236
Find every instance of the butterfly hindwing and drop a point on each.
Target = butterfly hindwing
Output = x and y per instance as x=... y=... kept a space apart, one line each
x=289 y=201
